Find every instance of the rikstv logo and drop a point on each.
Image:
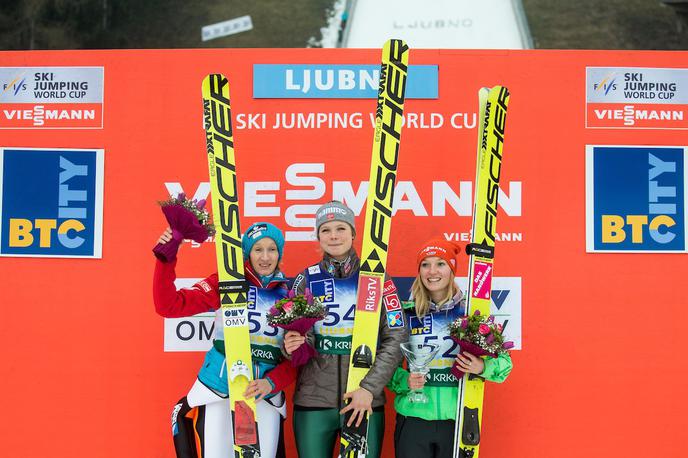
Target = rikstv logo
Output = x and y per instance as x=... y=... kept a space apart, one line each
x=52 y=202
x=636 y=199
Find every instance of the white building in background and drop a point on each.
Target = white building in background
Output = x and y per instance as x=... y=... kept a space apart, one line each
x=458 y=24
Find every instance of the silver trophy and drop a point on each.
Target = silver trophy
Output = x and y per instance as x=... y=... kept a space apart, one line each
x=419 y=357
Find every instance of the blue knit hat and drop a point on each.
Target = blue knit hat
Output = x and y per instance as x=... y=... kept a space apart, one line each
x=258 y=231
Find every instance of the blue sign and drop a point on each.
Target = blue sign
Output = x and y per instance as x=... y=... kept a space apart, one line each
x=420 y=326
x=272 y=81
x=52 y=202
x=324 y=289
x=636 y=199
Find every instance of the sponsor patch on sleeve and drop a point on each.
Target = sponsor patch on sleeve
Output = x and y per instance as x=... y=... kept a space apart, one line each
x=389 y=288
x=205 y=286
x=395 y=319
x=392 y=302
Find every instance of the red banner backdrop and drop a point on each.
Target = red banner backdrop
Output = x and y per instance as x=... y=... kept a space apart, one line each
x=84 y=371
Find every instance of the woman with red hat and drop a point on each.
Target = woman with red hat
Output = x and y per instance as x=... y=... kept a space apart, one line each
x=427 y=429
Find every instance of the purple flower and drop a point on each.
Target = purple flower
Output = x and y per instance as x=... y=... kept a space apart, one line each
x=490 y=318
x=274 y=311
x=464 y=323
x=308 y=296
x=291 y=294
x=508 y=345
x=476 y=313
x=181 y=196
x=490 y=338
x=200 y=204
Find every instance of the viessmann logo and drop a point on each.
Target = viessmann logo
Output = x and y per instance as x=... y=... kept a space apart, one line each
x=51 y=97
x=636 y=98
x=51 y=202
x=272 y=81
x=636 y=199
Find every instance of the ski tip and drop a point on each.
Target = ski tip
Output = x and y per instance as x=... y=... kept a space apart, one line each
x=395 y=51
x=215 y=78
x=396 y=41
x=495 y=92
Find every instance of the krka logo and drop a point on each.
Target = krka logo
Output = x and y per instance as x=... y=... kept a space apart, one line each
x=51 y=202
x=636 y=199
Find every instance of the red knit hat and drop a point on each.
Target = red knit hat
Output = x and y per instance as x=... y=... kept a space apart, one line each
x=449 y=251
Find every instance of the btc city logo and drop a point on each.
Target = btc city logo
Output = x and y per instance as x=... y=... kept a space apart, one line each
x=51 y=202
x=635 y=199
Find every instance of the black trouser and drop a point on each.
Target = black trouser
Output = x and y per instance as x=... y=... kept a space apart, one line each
x=415 y=437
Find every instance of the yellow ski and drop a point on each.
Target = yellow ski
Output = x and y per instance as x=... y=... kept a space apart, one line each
x=378 y=220
x=493 y=107
x=217 y=121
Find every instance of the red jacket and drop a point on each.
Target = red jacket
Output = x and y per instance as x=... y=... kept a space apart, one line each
x=204 y=297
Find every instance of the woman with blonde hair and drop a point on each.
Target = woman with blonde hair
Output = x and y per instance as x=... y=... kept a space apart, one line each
x=320 y=398
x=427 y=429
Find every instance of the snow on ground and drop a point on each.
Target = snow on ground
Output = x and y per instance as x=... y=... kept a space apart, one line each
x=330 y=33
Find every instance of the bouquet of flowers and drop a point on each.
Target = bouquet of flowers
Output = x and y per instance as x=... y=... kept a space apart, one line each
x=298 y=313
x=478 y=335
x=188 y=220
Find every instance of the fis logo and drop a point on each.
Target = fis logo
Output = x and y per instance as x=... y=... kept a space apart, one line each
x=15 y=86
x=52 y=202
x=608 y=83
x=420 y=326
x=324 y=289
x=636 y=199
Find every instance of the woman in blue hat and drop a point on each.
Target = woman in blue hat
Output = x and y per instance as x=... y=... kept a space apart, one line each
x=203 y=416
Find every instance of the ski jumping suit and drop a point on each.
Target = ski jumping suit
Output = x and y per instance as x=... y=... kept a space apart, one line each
x=322 y=381
x=201 y=421
x=428 y=429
